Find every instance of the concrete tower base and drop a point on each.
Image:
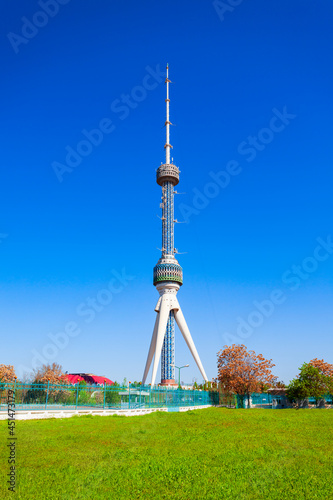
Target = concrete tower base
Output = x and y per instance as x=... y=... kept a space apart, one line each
x=169 y=382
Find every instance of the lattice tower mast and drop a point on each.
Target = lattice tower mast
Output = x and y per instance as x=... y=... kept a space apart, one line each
x=168 y=251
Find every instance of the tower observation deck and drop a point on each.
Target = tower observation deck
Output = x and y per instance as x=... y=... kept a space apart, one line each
x=168 y=275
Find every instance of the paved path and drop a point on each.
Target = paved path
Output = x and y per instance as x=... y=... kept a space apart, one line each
x=63 y=413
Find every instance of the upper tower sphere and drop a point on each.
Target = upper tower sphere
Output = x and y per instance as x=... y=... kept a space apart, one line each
x=167 y=172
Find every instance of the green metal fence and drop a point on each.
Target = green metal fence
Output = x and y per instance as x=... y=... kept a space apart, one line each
x=61 y=396
x=268 y=401
x=55 y=396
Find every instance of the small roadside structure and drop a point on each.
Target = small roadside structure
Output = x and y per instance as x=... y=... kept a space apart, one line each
x=133 y=398
x=279 y=398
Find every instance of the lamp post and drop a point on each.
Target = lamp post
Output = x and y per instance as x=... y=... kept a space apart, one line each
x=179 y=368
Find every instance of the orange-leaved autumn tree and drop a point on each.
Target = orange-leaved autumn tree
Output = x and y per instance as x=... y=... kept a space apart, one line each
x=7 y=373
x=49 y=373
x=325 y=368
x=241 y=371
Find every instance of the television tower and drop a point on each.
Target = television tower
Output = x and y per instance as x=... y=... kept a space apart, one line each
x=168 y=277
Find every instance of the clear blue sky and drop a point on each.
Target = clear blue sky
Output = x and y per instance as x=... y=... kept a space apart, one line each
x=252 y=95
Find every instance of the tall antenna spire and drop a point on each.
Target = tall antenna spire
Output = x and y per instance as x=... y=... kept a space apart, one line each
x=167 y=123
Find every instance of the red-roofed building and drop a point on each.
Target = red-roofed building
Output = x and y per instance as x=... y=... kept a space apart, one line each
x=74 y=378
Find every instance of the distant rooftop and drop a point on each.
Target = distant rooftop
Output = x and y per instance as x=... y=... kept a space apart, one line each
x=74 y=378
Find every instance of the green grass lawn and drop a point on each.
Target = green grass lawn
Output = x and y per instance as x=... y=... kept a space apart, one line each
x=213 y=453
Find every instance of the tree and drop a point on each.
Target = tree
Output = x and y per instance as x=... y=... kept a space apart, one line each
x=324 y=368
x=207 y=386
x=112 y=396
x=312 y=381
x=49 y=373
x=279 y=385
x=242 y=372
x=7 y=373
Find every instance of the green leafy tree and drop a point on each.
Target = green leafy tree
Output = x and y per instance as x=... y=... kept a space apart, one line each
x=135 y=384
x=112 y=396
x=84 y=393
x=310 y=382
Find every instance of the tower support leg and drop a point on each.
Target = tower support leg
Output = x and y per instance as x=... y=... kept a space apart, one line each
x=163 y=317
x=167 y=309
x=151 y=350
x=180 y=320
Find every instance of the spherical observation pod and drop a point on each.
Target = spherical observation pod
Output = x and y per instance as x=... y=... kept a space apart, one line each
x=167 y=172
x=168 y=272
